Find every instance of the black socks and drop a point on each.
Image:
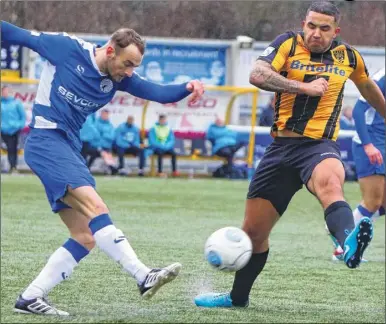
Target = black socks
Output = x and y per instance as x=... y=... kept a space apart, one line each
x=245 y=278
x=339 y=220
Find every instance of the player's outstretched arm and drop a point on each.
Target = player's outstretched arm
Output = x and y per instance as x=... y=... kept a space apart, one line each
x=373 y=95
x=142 y=88
x=53 y=47
x=15 y=35
x=264 y=77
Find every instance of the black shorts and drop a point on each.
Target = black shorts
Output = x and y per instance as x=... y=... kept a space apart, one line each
x=287 y=164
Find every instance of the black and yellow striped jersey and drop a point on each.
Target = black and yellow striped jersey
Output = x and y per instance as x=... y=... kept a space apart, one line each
x=315 y=117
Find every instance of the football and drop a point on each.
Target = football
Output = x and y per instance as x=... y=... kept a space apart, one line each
x=228 y=249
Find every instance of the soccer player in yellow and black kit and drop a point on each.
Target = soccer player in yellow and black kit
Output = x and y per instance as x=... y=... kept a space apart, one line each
x=307 y=70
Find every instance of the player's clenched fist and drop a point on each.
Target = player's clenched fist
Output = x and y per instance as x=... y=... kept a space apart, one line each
x=316 y=88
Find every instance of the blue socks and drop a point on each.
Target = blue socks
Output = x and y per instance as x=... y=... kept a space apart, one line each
x=99 y=222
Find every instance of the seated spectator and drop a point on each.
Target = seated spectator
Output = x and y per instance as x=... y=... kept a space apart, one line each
x=12 y=122
x=89 y=134
x=224 y=143
x=161 y=141
x=268 y=114
x=104 y=143
x=346 y=120
x=127 y=141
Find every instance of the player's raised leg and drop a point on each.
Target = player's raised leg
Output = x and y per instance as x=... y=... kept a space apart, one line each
x=59 y=266
x=114 y=243
x=326 y=183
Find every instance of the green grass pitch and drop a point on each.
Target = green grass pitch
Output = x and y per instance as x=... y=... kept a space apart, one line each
x=168 y=220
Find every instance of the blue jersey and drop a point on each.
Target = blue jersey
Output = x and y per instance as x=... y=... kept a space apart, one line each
x=72 y=86
x=369 y=124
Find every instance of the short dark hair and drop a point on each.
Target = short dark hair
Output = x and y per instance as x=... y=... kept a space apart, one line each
x=162 y=116
x=124 y=37
x=325 y=8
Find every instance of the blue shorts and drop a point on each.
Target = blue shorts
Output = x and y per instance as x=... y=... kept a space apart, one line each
x=57 y=163
x=362 y=163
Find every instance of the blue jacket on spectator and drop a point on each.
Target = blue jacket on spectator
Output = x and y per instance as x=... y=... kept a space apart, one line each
x=12 y=115
x=127 y=136
x=106 y=132
x=161 y=137
x=220 y=136
x=88 y=132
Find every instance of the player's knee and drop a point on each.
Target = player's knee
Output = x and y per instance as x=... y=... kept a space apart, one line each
x=258 y=237
x=85 y=239
x=259 y=242
x=95 y=207
x=100 y=208
x=327 y=186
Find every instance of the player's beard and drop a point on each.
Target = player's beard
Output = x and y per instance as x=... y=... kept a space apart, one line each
x=110 y=70
x=319 y=49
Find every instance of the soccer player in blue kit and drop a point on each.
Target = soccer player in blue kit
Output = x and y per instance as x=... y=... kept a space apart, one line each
x=77 y=80
x=368 y=149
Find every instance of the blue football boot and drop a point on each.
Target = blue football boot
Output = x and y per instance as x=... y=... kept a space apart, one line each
x=357 y=242
x=216 y=300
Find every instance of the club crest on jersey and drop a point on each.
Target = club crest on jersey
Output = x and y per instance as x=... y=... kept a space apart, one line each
x=338 y=55
x=106 y=85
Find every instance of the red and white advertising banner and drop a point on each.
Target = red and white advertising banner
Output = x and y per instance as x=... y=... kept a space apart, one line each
x=123 y=105
x=26 y=93
x=189 y=120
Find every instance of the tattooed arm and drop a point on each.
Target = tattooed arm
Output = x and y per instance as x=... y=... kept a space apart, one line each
x=266 y=78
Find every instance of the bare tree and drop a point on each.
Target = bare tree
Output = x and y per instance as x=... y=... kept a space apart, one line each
x=363 y=22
